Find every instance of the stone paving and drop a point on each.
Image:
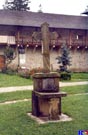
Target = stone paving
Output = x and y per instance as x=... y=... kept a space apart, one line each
x=30 y=87
x=15 y=88
x=14 y=101
x=19 y=88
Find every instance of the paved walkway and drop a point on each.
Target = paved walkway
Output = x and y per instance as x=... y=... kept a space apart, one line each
x=73 y=83
x=19 y=88
x=14 y=101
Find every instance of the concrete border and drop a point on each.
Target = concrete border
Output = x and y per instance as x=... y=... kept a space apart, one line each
x=44 y=120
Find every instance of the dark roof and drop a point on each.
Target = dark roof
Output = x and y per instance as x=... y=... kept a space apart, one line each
x=25 y=18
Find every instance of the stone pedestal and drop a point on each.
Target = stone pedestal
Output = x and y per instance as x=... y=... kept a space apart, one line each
x=46 y=96
x=46 y=82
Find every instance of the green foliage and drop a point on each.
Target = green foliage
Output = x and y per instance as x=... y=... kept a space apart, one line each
x=64 y=62
x=9 y=53
x=10 y=71
x=24 y=72
x=65 y=76
x=64 y=59
x=20 y=5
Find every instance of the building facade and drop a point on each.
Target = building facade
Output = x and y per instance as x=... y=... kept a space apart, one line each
x=17 y=28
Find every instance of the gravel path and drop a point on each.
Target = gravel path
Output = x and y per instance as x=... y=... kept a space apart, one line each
x=30 y=87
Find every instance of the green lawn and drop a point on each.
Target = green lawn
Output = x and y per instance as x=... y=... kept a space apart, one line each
x=75 y=89
x=13 y=80
x=79 y=76
x=17 y=95
x=14 y=119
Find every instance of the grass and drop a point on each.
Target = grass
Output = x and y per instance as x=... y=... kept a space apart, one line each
x=75 y=89
x=79 y=76
x=13 y=80
x=14 y=119
x=17 y=95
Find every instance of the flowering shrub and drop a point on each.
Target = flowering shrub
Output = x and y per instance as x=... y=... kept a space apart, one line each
x=24 y=72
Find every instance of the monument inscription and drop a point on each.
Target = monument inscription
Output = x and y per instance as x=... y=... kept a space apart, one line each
x=49 y=84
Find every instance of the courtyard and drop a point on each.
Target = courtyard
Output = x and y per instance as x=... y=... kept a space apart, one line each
x=14 y=107
x=43 y=70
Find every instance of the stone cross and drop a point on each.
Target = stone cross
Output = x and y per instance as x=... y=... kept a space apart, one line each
x=45 y=46
x=45 y=36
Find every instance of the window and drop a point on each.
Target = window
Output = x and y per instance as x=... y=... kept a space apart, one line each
x=22 y=56
x=79 y=37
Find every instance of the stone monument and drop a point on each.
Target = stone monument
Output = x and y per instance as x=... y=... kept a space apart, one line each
x=46 y=95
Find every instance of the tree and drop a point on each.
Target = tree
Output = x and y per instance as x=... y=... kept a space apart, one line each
x=40 y=9
x=20 y=5
x=9 y=55
x=86 y=9
x=64 y=60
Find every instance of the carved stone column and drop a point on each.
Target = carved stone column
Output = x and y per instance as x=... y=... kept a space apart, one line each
x=45 y=46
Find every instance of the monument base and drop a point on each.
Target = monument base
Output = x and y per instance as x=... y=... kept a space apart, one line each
x=44 y=120
x=46 y=82
x=47 y=104
x=46 y=96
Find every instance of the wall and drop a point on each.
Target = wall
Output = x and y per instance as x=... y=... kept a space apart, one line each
x=79 y=59
x=33 y=55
